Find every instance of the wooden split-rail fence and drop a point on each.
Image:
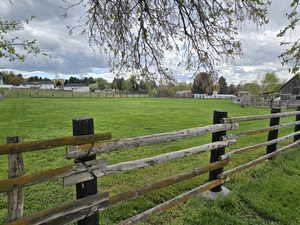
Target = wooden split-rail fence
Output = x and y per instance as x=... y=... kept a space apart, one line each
x=84 y=145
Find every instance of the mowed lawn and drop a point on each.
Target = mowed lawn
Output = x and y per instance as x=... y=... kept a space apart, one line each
x=267 y=194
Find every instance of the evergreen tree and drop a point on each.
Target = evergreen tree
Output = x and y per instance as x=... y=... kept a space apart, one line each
x=223 y=85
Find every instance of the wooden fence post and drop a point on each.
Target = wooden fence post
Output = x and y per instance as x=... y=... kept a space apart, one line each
x=15 y=169
x=273 y=134
x=217 y=153
x=85 y=126
x=297 y=127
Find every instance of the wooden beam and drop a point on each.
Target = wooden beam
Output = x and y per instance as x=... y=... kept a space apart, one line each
x=72 y=211
x=258 y=160
x=248 y=148
x=83 y=171
x=87 y=150
x=31 y=179
x=52 y=143
x=259 y=117
x=16 y=195
x=117 y=199
x=79 y=209
x=259 y=131
x=168 y=204
x=83 y=174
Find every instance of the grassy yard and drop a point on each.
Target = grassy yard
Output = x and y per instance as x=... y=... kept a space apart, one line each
x=268 y=194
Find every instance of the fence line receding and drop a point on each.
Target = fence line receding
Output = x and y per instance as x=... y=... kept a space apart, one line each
x=84 y=145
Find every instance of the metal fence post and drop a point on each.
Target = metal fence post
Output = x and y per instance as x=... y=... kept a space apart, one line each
x=273 y=134
x=297 y=127
x=216 y=153
x=85 y=126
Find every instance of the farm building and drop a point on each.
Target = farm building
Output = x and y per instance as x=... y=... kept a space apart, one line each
x=45 y=85
x=77 y=87
x=241 y=96
x=184 y=94
x=214 y=96
x=290 y=91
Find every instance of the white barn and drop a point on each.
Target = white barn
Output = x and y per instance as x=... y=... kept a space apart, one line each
x=46 y=85
x=77 y=87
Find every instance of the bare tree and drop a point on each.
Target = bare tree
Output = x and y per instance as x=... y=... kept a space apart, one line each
x=138 y=34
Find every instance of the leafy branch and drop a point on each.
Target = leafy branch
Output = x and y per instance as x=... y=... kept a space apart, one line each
x=291 y=54
x=12 y=47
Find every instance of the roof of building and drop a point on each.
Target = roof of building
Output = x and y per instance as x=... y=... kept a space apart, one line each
x=76 y=85
x=297 y=76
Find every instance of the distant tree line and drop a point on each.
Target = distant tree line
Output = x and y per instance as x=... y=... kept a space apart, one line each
x=204 y=84
x=36 y=78
x=270 y=83
x=11 y=78
x=85 y=80
x=132 y=84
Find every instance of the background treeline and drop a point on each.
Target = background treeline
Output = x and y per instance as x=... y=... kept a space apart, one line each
x=132 y=84
x=203 y=83
x=12 y=78
x=268 y=84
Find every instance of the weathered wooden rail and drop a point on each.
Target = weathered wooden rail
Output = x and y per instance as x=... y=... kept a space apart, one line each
x=87 y=150
x=259 y=117
x=83 y=146
x=52 y=143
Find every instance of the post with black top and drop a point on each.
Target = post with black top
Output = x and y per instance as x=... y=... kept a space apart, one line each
x=85 y=126
x=273 y=134
x=215 y=155
x=297 y=127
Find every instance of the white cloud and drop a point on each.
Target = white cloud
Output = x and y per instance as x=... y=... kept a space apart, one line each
x=71 y=55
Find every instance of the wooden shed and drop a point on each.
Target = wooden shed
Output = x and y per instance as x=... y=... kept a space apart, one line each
x=291 y=90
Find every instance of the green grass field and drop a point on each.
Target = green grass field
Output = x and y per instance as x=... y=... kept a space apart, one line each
x=267 y=194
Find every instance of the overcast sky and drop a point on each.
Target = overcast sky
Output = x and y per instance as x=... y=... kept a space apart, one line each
x=72 y=55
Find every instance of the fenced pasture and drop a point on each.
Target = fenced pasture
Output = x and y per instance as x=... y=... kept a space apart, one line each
x=39 y=93
x=267 y=101
x=152 y=116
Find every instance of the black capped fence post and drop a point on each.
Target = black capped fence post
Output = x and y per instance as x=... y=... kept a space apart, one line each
x=297 y=127
x=273 y=134
x=217 y=153
x=85 y=126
